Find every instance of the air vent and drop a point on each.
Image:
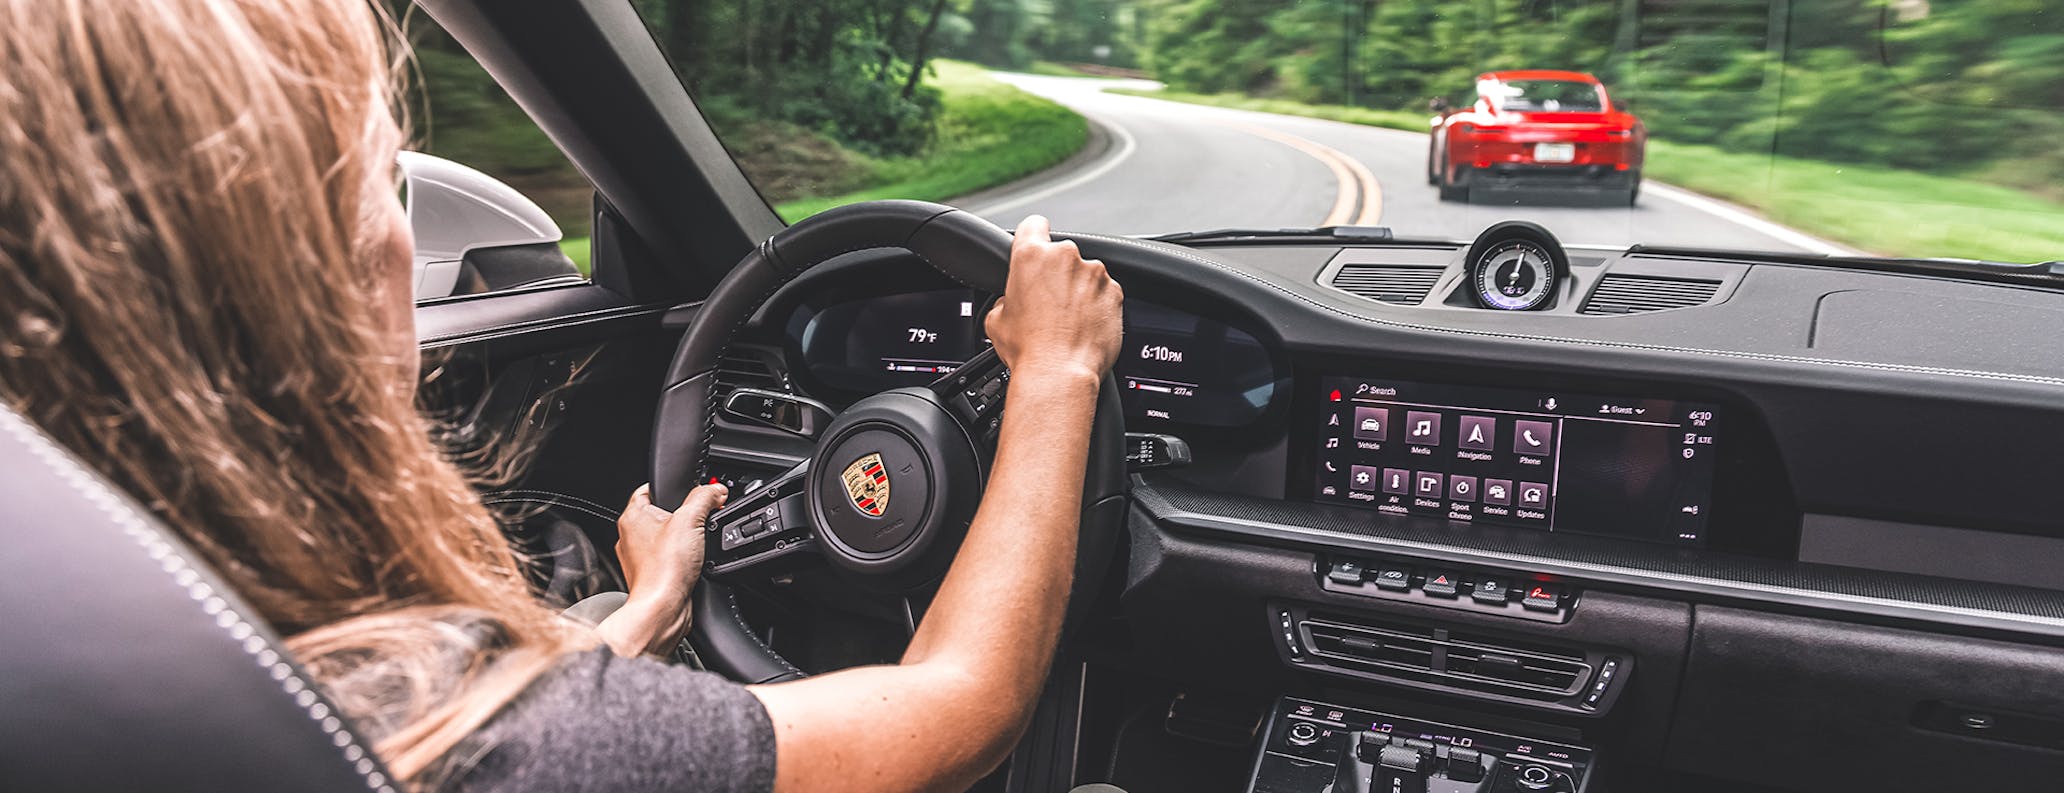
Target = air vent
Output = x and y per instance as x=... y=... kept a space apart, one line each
x=1386 y=650
x=1635 y=294
x=747 y=368
x=1403 y=284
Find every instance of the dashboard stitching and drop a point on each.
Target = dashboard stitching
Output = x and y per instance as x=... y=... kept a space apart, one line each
x=1776 y=357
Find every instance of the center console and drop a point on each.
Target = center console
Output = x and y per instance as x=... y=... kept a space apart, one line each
x=1314 y=747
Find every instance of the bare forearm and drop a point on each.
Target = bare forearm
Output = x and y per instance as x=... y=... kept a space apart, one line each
x=981 y=653
x=1000 y=606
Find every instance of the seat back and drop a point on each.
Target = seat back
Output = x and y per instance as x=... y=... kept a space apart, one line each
x=125 y=664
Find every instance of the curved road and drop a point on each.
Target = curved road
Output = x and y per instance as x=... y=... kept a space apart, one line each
x=1169 y=166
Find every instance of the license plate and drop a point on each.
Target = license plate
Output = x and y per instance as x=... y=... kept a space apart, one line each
x=1555 y=152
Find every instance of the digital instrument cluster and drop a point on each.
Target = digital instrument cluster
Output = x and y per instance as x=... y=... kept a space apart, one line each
x=1176 y=367
x=1637 y=468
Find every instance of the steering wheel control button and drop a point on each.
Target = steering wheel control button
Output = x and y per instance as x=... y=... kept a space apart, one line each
x=1345 y=571
x=1542 y=597
x=1441 y=584
x=1395 y=579
x=1491 y=591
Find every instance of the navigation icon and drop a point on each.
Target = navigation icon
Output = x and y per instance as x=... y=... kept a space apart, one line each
x=1478 y=433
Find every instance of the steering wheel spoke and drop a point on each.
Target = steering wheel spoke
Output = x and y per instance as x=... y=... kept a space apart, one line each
x=770 y=523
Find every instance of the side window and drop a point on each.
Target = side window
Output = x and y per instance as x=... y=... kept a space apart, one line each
x=494 y=204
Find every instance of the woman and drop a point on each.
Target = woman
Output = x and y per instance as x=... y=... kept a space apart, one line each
x=204 y=292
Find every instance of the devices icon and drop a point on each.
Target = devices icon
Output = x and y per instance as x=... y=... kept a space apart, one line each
x=1429 y=484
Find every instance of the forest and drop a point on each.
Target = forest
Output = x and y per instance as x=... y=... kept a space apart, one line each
x=821 y=99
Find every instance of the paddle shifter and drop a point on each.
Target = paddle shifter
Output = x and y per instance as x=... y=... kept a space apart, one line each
x=1313 y=747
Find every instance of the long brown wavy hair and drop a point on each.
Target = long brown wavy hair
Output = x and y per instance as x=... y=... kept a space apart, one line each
x=197 y=297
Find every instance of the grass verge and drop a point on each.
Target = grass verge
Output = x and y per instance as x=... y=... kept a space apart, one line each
x=1882 y=210
x=989 y=133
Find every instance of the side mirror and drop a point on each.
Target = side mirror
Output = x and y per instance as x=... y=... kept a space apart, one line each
x=475 y=234
x=1439 y=104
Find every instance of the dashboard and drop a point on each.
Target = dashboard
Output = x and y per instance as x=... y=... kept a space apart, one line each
x=1665 y=495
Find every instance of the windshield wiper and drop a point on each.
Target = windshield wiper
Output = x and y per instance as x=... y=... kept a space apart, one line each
x=1325 y=233
x=2049 y=275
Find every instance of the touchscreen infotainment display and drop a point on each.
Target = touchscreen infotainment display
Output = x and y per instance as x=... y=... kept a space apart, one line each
x=1638 y=468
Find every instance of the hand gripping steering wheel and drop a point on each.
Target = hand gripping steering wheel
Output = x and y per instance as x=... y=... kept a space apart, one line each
x=893 y=482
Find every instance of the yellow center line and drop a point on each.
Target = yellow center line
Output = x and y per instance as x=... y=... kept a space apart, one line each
x=1354 y=184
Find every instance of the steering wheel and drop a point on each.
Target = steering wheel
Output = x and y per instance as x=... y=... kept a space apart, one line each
x=889 y=489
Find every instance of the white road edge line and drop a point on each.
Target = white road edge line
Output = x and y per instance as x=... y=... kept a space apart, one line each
x=1742 y=217
x=1126 y=145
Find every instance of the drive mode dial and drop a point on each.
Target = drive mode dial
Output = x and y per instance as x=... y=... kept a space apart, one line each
x=1515 y=266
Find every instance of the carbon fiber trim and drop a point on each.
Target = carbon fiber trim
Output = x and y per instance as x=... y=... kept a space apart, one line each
x=1688 y=573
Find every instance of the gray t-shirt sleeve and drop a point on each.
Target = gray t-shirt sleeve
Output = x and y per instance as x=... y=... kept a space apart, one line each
x=598 y=722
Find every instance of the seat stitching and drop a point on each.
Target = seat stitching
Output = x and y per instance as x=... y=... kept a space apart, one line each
x=187 y=575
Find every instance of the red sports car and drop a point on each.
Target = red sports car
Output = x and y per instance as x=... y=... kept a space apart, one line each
x=1537 y=128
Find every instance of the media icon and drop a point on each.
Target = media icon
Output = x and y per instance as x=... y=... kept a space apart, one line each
x=1478 y=433
x=1363 y=477
x=1422 y=427
x=1497 y=492
x=1397 y=481
x=1461 y=488
x=1429 y=484
x=1533 y=437
x=1371 y=424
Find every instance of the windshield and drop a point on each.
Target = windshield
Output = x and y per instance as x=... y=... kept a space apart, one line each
x=1896 y=128
x=1549 y=95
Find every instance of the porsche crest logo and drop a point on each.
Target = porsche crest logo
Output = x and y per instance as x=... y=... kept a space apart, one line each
x=867 y=484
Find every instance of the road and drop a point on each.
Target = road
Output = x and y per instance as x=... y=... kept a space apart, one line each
x=1169 y=166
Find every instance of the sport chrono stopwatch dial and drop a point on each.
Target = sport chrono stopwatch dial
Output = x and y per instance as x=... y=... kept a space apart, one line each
x=1515 y=266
